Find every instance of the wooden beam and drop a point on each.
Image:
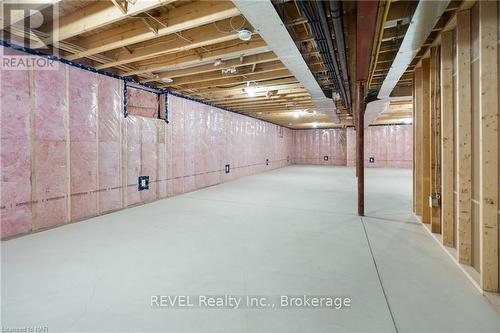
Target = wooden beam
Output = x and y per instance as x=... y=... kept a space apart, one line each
x=217 y=75
x=122 y=5
x=98 y=15
x=413 y=174
x=252 y=77
x=464 y=137
x=417 y=124
x=247 y=60
x=426 y=144
x=271 y=108
x=239 y=99
x=288 y=89
x=488 y=145
x=187 y=58
x=435 y=138
x=227 y=93
x=182 y=18
x=447 y=140
x=360 y=145
x=268 y=101
x=194 y=38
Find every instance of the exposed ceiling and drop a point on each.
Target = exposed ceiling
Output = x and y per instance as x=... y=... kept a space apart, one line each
x=394 y=20
x=194 y=48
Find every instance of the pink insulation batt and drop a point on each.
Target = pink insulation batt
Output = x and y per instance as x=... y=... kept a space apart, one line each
x=15 y=153
x=110 y=104
x=391 y=146
x=311 y=146
x=50 y=182
x=83 y=143
x=142 y=103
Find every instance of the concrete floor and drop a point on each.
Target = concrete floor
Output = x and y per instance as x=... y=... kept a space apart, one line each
x=291 y=231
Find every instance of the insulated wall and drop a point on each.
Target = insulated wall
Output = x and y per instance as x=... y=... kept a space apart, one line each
x=320 y=146
x=389 y=146
x=68 y=153
x=204 y=139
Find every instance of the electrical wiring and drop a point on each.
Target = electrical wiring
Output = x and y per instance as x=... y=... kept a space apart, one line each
x=231 y=25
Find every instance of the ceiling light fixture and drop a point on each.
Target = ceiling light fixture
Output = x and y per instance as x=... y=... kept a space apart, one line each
x=229 y=70
x=167 y=80
x=250 y=92
x=244 y=35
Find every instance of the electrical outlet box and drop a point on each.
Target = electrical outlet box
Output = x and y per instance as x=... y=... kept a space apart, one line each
x=267 y=161
x=371 y=159
x=143 y=183
x=434 y=201
x=325 y=158
x=227 y=168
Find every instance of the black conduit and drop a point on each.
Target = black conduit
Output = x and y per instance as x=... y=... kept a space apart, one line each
x=319 y=26
x=338 y=30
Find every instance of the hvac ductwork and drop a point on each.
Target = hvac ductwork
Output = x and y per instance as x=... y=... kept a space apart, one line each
x=424 y=19
x=267 y=22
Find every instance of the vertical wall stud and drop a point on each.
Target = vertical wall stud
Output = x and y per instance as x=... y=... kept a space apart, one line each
x=488 y=145
x=68 y=144
x=464 y=128
x=417 y=124
x=434 y=138
x=426 y=143
x=447 y=139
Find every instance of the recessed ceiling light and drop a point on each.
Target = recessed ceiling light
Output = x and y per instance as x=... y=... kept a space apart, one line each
x=244 y=34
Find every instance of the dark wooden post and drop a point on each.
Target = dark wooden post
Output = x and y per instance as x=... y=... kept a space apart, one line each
x=360 y=144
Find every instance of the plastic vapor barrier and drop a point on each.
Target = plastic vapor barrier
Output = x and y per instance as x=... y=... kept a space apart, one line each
x=142 y=103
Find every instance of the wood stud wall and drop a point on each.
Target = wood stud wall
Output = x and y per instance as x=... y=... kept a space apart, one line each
x=455 y=122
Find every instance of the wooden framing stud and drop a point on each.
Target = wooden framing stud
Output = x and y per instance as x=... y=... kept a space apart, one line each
x=464 y=137
x=426 y=144
x=488 y=145
x=447 y=140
